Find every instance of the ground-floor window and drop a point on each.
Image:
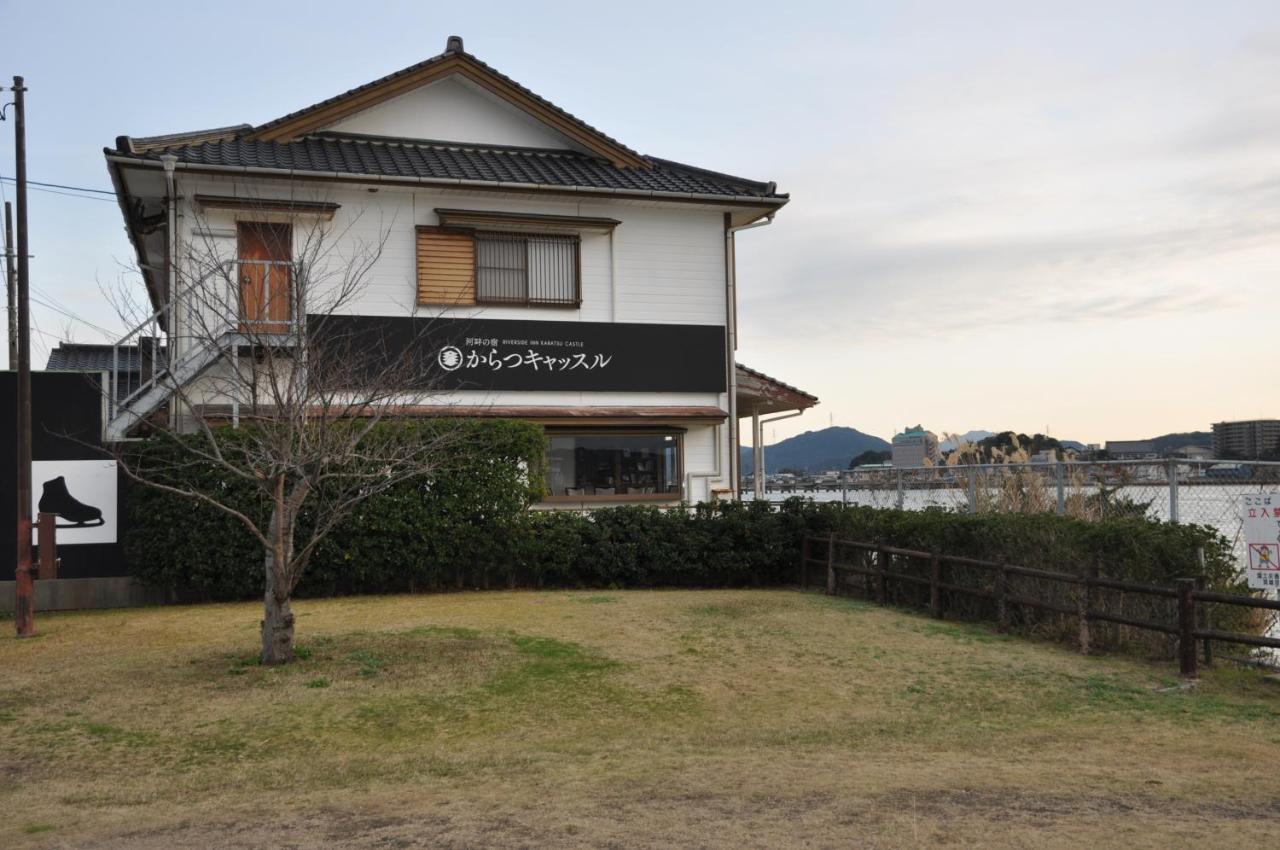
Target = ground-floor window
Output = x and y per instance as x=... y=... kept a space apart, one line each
x=613 y=464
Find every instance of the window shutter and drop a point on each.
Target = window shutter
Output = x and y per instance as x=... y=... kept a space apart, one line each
x=446 y=267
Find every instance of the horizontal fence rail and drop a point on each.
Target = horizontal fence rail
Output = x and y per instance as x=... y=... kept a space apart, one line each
x=875 y=563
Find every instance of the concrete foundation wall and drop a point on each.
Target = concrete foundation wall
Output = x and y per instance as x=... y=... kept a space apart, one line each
x=69 y=594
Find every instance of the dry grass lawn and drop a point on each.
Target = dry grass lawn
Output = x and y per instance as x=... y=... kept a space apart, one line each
x=619 y=719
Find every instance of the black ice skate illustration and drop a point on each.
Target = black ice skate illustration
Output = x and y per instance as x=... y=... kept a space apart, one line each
x=56 y=500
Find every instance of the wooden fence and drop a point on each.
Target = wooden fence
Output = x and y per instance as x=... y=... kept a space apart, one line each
x=875 y=564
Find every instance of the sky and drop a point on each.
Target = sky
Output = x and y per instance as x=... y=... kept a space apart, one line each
x=1061 y=218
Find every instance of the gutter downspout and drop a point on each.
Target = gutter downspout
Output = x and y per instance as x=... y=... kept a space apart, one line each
x=731 y=326
x=757 y=440
x=169 y=161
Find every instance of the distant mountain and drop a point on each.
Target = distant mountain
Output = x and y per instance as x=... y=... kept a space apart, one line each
x=1167 y=443
x=966 y=437
x=816 y=451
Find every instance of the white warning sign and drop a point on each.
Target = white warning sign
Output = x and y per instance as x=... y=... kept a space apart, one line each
x=1261 y=515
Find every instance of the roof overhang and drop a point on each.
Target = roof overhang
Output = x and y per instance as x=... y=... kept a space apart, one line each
x=759 y=394
x=757 y=205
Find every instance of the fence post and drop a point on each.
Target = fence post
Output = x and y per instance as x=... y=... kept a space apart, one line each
x=881 y=594
x=1187 y=627
x=973 y=490
x=935 y=592
x=804 y=561
x=1172 y=475
x=1059 y=473
x=831 y=564
x=1084 y=604
x=1202 y=620
x=900 y=495
x=1002 y=595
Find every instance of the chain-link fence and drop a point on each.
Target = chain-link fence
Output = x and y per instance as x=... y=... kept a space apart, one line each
x=1205 y=492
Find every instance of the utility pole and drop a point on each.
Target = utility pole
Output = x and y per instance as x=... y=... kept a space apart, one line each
x=24 y=595
x=11 y=295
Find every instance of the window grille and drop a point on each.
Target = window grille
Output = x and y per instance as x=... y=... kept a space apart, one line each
x=534 y=269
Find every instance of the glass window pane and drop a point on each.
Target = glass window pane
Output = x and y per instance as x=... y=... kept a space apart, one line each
x=613 y=465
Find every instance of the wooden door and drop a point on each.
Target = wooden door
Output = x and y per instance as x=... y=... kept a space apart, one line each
x=266 y=298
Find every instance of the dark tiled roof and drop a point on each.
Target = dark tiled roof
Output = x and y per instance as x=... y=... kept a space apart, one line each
x=448 y=161
x=79 y=357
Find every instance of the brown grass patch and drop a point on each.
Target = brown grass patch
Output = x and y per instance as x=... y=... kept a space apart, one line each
x=636 y=719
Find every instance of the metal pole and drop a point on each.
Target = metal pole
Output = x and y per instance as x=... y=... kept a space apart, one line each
x=10 y=284
x=24 y=592
x=973 y=490
x=1172 y=475
x=1060 y=475
x=757 y=460
x=900 y=495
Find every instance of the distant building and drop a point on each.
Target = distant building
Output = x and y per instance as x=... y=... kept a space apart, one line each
x=1045 y=456
x=915 y=447
x=1193 y=452
x=870 y=472
x=1132 y=449
x=1252 y=438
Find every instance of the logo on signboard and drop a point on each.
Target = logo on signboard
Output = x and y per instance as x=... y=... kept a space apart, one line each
x=449 y=358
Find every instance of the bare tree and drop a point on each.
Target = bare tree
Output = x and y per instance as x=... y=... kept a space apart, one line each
x=264 y=377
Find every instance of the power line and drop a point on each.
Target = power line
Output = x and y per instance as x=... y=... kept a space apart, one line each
x=61 y=186
x=69 y=314
x=68 y=194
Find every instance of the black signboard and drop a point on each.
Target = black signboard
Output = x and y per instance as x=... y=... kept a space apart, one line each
x=493 y=354
x=66 y=420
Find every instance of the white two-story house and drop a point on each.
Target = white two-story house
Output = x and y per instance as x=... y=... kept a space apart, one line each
x=566 y=278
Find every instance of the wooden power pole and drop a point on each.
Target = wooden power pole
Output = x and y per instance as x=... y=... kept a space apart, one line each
x=24 y=601
x=11 y=294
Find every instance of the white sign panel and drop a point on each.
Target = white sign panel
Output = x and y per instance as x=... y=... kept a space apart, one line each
x=1261 y=514
x=83 y=495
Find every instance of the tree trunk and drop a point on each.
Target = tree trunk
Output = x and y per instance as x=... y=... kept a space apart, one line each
x=277 y=617
x=277 y=630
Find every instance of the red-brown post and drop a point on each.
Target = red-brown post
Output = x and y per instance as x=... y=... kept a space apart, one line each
x=23 y=588
x=48 y=546
x=1187 y=627
x=935 y=592
x=831 y=564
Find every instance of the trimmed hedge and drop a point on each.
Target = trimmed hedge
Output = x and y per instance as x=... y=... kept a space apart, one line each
x=471 y=527
x=471 y=512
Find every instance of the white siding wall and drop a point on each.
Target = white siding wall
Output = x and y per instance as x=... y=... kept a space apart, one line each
x=453 y=110
x=664 y=264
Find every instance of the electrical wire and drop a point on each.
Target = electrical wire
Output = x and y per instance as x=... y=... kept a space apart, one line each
x=70 y=315
x=40 y=187
x=60 y=186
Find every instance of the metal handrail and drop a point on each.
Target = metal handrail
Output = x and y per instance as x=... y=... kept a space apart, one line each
x=229 y=313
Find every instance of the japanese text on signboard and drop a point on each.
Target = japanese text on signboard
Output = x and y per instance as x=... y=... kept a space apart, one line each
x=1261 y=515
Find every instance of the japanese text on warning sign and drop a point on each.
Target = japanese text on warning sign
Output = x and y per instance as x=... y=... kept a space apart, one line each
x=1261 y=514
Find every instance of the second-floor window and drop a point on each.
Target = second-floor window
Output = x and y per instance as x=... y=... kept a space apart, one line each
x=517 y=268
x=491 y=267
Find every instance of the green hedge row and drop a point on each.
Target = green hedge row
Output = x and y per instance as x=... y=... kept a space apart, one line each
x=470 y=526
x=468 y=513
